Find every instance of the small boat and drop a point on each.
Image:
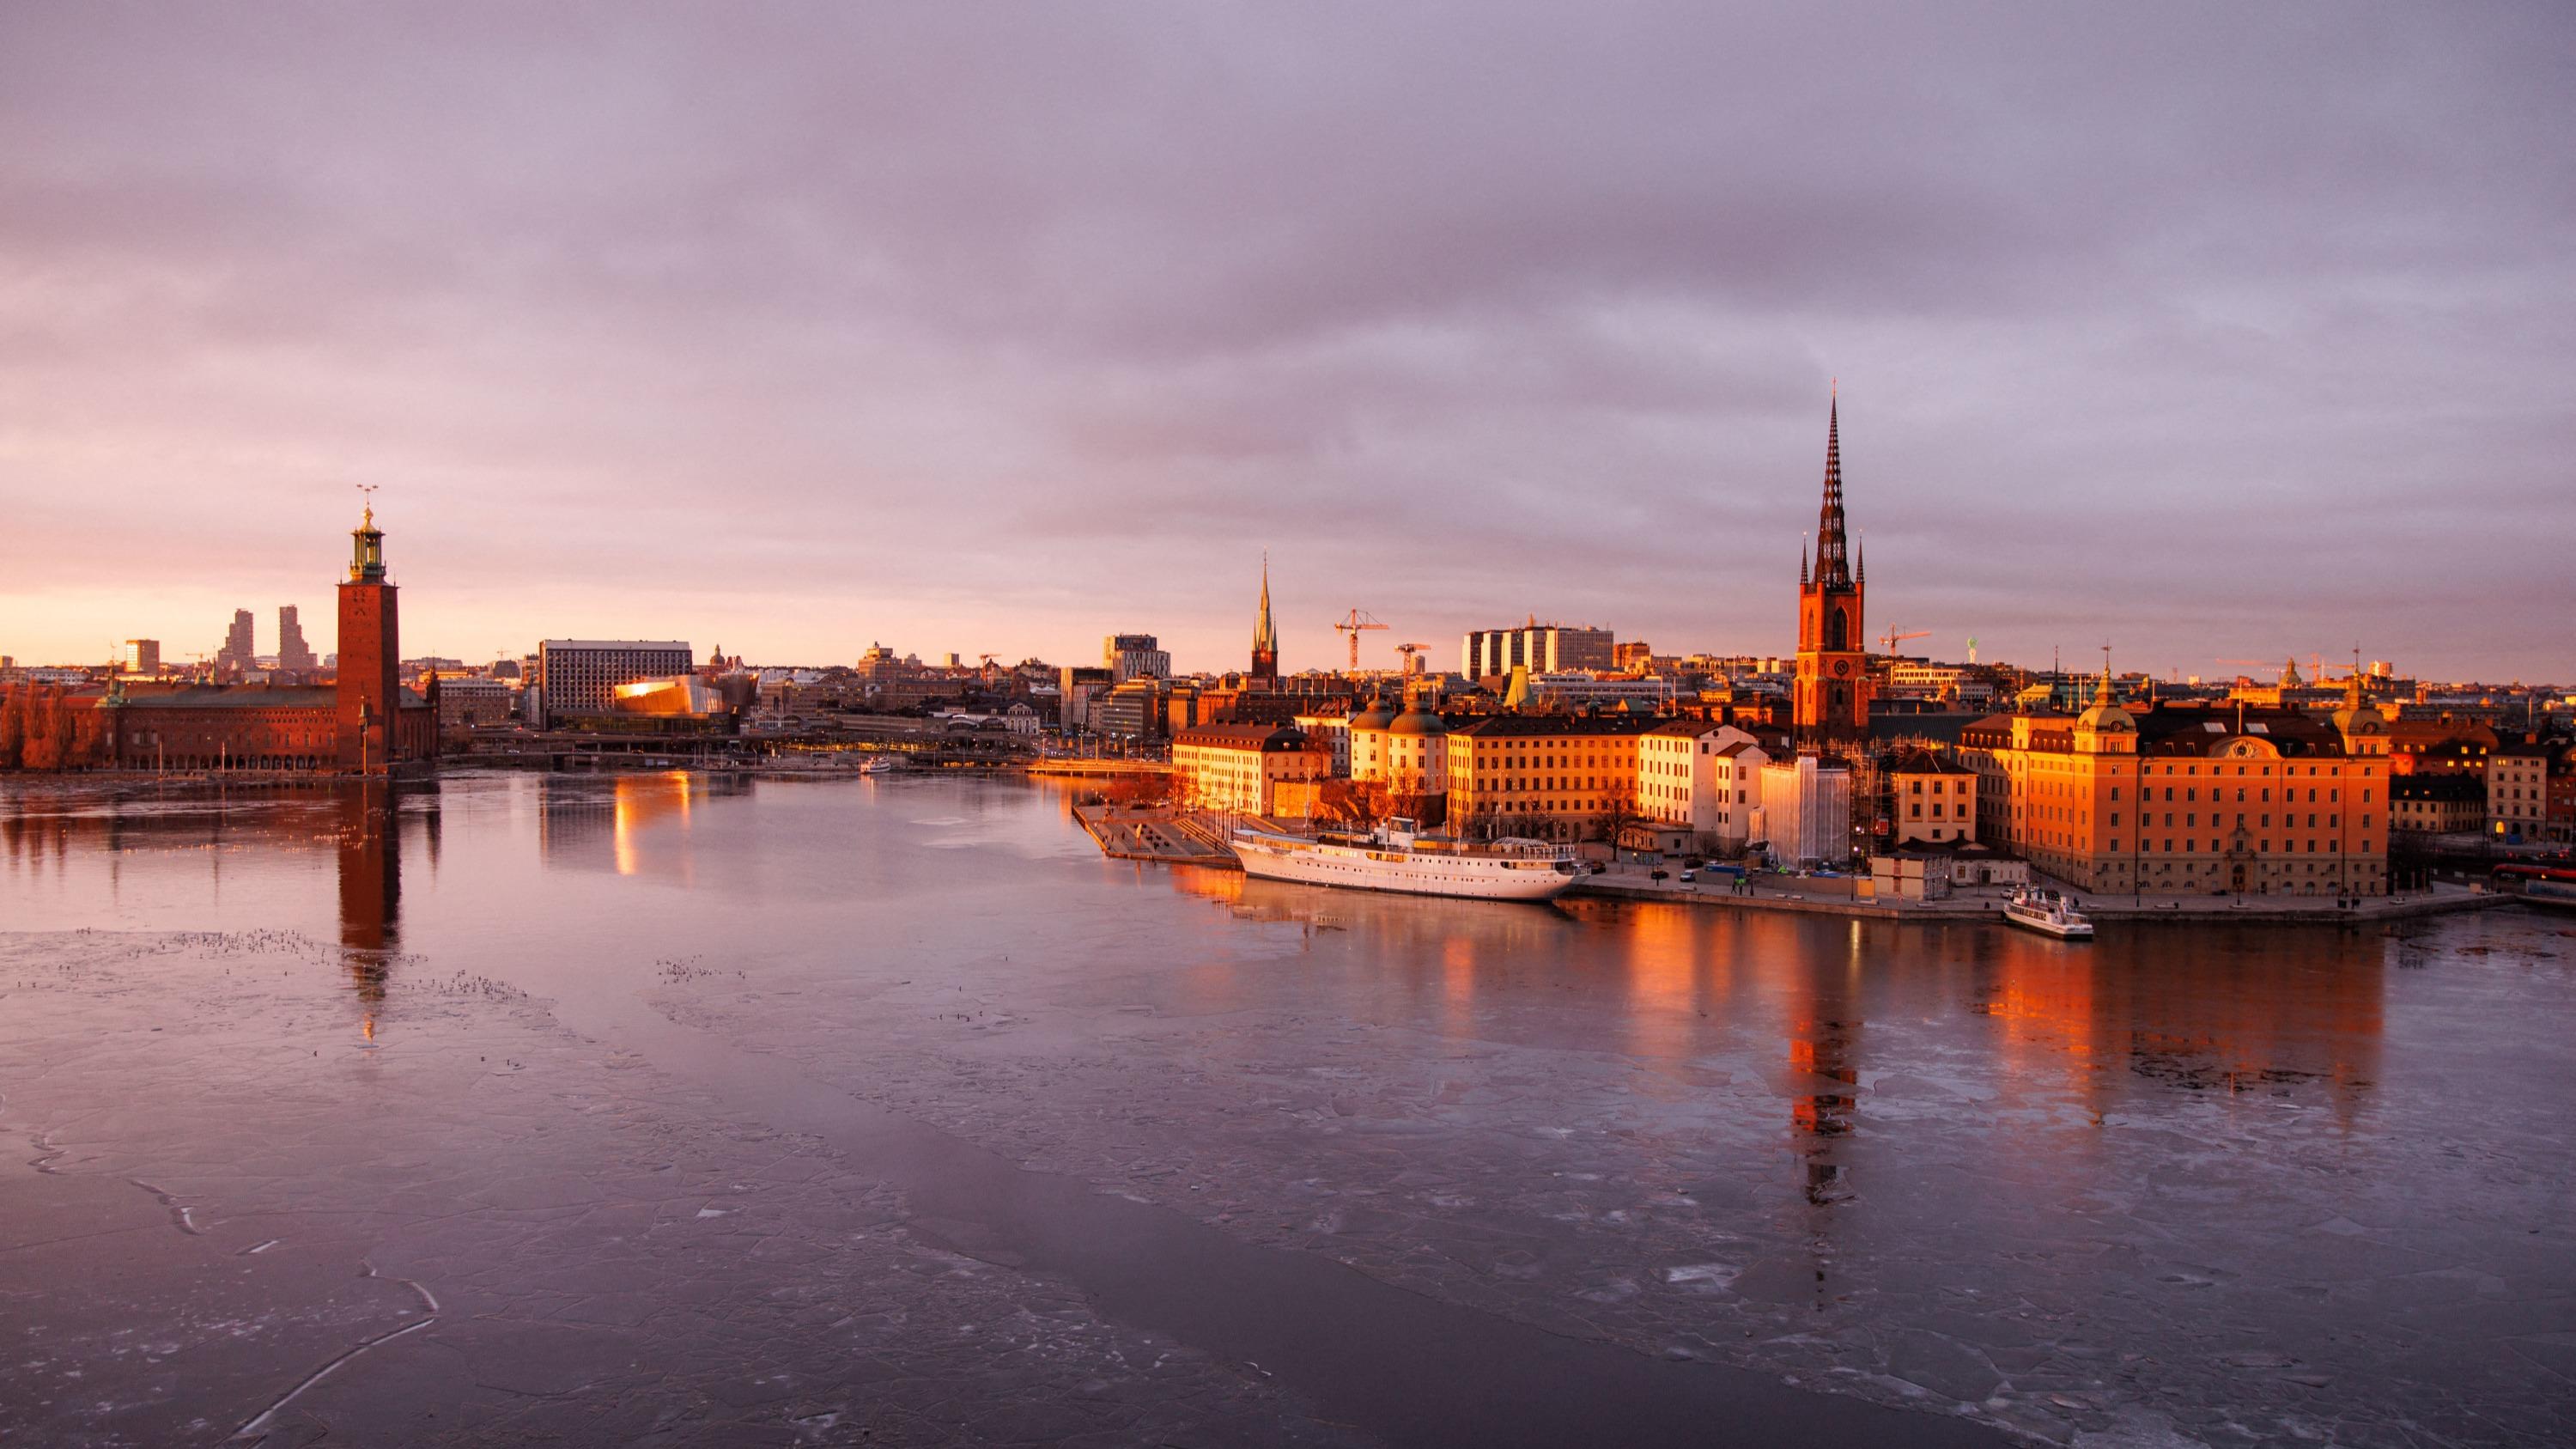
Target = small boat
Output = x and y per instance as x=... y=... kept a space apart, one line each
x=2048 y=913
x=1397 y=857
x=879 y=766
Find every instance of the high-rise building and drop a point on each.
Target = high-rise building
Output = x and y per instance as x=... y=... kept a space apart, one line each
x=1127 y=655
x=240 y=652
x=141 y=656
x=580 y=676
x=1542 y=648
x=1830 y=699
x=1265 y=639
x=293 y=654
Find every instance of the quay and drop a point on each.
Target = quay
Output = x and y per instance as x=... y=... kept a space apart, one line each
x=1782 y=893
x=1182 y=837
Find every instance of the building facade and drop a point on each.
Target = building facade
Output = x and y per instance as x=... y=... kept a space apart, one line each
x=1930 y=800
x=2189 y=799
x=1539 y=648
x=1830 y=697
x=1701 y=777
x=2517 y=790
x=1238 y=768
x=1548 y=777
x=580 y=676
x=1127 y=655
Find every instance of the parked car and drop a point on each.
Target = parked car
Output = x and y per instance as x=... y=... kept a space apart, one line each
x=1598 y=867
x=1657 y=874
x=1689 y=876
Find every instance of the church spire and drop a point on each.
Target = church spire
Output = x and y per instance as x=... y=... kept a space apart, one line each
x=1833 y=564
x=1265 y=638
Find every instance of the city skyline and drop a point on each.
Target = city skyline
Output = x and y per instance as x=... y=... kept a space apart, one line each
x=637 y=353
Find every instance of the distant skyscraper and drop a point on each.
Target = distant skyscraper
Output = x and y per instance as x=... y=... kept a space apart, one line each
x=292 y=652
x=142 y=656
x=239 y=651
x=1265 y=639
x=1832 y=689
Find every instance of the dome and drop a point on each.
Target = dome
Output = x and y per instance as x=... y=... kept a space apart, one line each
x=2106 y=719
x=1375 y=717
x=1418 y=721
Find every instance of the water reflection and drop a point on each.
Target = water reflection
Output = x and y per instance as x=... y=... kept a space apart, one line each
x=632 y=824
x=370 y=866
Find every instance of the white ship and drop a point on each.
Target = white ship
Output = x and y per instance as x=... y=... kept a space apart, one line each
x=2048 y=913
x=1395 y=857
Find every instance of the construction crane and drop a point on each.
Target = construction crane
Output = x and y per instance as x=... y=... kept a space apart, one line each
x=1359 y=622
x=1892 y=638
x=1412 y=656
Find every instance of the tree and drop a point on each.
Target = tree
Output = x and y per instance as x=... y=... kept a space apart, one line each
x=13 y=726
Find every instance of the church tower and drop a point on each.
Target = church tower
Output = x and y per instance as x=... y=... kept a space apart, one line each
x=1832 y=699
x=369 y=690
x=1265 y=639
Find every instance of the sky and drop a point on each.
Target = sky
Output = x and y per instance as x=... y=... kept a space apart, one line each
x=2209 y=331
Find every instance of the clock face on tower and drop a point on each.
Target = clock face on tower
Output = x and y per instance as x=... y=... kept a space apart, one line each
x=1842 y=666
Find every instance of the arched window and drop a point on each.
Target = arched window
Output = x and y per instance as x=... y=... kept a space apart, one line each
x=1834 y=630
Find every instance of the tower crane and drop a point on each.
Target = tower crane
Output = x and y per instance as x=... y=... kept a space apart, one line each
x=1892 y=638
x=1359 y=622
x=1412 y=656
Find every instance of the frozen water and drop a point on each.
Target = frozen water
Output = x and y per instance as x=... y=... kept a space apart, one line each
x=686 y=1103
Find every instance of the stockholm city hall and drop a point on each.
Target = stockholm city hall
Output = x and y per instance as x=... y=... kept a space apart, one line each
x=364 y=723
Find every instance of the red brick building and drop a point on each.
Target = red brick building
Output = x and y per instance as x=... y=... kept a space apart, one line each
x=364 y=723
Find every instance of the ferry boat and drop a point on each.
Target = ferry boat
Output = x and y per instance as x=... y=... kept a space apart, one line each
x=2048 y=913
x=879 y=766
x=1396 y=856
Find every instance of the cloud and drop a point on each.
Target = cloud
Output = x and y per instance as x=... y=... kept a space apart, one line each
x=2214 y=332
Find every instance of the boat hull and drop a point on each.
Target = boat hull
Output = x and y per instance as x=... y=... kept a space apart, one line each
x=2060 y=930
x=1351 y=868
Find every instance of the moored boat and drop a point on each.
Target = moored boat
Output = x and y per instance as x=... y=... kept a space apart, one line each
x=1397 y=856
x=2048 y=913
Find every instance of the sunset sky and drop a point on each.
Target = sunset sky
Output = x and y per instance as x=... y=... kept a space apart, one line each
x=2213 y=331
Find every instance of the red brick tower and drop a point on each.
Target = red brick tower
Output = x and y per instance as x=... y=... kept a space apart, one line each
x=1832 y=701
x=370 y=656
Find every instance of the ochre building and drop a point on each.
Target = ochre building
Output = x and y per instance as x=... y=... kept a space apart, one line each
x=2188 y=799
x=1548 y=777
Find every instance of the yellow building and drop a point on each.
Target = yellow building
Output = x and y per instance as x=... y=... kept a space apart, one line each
x=1932 y=800
x=2189 y=800
x=1239 y=767
x=1548 y=777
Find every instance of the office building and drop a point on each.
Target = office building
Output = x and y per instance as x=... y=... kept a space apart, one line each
x=293 y=654
x=580 y=676
x=1126 y=656
x=1540 y=648
x=140 y=656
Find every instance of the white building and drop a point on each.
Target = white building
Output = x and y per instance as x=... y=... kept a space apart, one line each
x=1541 y=648
x=1333 y=730
x=1806 y=812
x=1702 y=777
x=1569 y=691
